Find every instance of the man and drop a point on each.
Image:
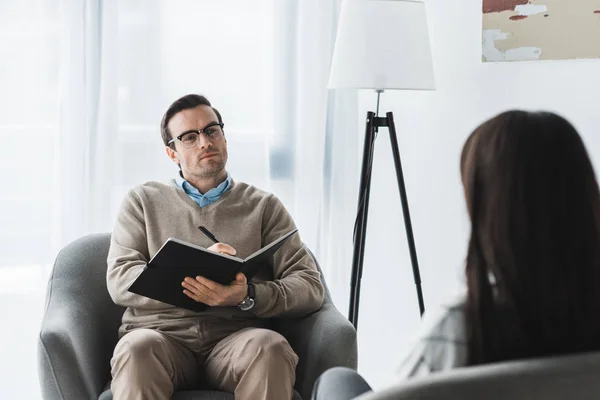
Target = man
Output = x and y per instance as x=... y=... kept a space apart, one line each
x=163 y=348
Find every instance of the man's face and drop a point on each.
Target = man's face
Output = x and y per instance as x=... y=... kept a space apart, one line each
x=208 y=157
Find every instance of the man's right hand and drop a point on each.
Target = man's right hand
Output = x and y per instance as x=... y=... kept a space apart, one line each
x=222 y=248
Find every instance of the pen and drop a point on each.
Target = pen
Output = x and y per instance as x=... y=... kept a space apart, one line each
x=208 y=234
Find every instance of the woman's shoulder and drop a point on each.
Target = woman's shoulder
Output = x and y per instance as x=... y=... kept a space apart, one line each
x=441 y=340
x=445 y=322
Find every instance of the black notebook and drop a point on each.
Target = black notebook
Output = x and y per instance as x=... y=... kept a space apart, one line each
x=175 y=260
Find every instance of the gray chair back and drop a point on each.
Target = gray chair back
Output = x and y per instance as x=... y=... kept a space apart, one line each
x=573 y=377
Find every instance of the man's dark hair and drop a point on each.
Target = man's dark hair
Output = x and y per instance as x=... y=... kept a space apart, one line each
x=184 y=103
x=533 y=263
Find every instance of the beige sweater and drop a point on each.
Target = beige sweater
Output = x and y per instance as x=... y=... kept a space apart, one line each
x=244 y=217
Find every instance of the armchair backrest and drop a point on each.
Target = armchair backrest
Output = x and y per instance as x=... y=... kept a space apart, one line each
x=79 y=281
x=574 y=377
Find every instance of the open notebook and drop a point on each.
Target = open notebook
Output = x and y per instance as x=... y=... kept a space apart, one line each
x=175 y=260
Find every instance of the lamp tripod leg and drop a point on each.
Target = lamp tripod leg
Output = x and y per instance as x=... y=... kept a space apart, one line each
x=407 y=220
x=360 y=227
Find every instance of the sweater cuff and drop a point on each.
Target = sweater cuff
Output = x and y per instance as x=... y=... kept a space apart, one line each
x=261 y=301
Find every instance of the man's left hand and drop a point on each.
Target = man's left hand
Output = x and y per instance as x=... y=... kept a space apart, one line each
x=213 y=294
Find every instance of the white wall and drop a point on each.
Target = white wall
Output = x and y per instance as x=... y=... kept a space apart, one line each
x=431 y=130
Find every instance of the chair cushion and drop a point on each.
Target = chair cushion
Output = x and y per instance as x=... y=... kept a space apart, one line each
x=195 y=395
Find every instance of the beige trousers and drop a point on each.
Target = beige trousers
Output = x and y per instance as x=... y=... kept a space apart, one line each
x=253 y=363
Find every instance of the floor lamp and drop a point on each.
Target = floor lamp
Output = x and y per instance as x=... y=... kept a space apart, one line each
x=381 y=45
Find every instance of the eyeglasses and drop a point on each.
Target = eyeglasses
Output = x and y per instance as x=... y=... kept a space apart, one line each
x=189 y=139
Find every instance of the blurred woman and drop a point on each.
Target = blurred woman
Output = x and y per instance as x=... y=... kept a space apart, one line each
x=533 y=260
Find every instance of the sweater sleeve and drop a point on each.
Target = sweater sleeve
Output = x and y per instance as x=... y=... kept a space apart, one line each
x=296 y=289
x=128 y=255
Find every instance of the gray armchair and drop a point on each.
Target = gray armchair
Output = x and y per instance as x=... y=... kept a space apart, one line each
x=79 y=331
x=573 y=377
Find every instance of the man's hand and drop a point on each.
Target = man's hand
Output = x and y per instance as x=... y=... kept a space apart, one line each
x=222 y=248
x=212 y=293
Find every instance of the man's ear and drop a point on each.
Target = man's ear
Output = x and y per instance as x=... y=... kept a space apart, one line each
x=172 y=154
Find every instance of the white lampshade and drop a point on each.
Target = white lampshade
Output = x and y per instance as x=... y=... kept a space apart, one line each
x=382 y=44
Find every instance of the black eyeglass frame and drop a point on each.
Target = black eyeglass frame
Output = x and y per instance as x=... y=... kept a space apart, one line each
x=198 y=131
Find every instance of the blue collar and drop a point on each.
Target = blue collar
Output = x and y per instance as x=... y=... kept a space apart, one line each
x=203 y=199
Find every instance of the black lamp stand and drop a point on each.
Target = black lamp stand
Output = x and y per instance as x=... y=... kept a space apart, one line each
x=360 y=228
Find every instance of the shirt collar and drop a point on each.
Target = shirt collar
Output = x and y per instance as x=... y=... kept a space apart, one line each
x=191 y=190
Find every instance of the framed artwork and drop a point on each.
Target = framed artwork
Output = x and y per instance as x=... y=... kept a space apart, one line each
x=520 y=30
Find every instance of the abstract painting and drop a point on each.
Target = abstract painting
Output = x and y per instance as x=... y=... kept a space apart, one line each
x=519 y=30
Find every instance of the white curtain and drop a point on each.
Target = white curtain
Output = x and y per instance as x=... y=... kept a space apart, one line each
x=316 y=153
x=88 y=119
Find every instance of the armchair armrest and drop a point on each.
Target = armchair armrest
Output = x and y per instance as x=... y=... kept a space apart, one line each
x=322 y=340
x=72 y=355
x=80 y=324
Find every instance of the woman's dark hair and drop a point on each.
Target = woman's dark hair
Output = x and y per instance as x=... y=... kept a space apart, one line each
x=186 y=102
x=533 y=261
